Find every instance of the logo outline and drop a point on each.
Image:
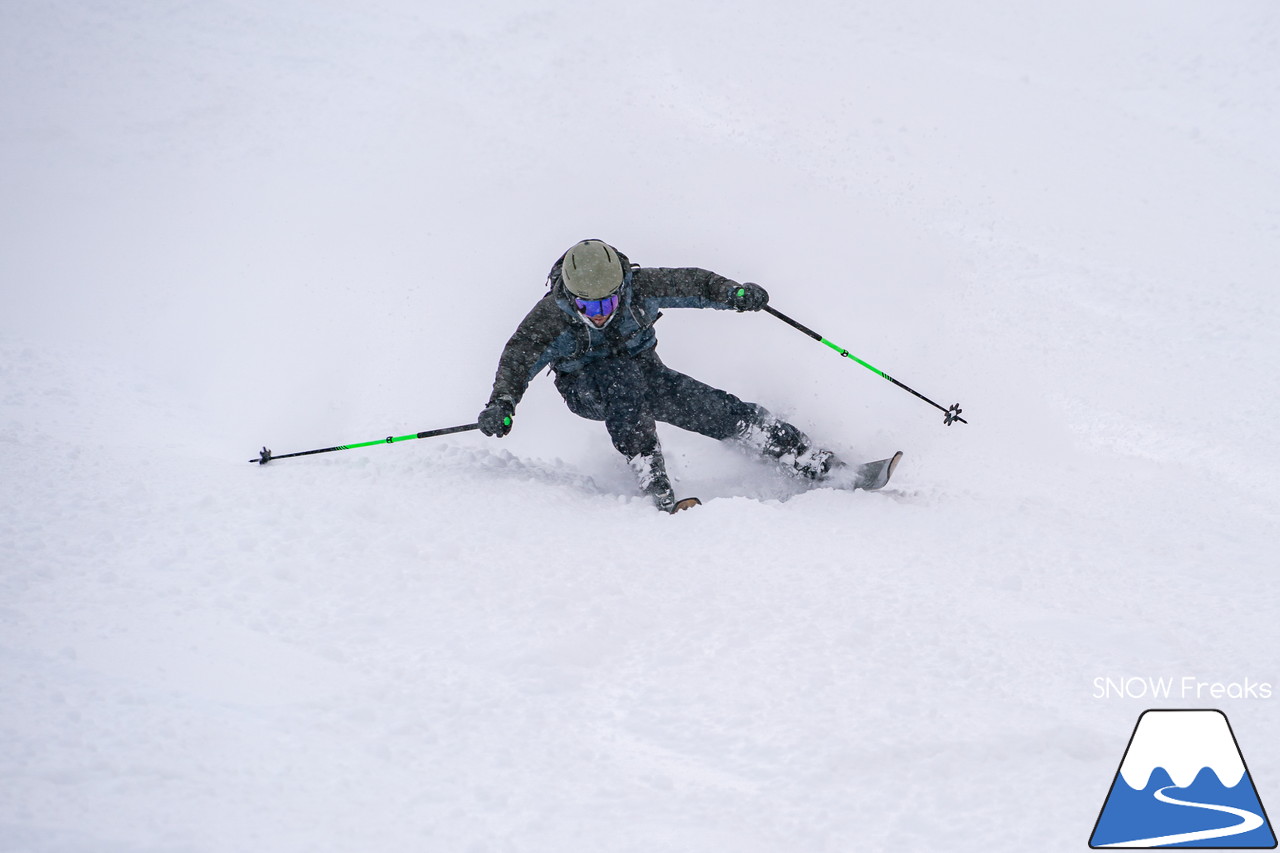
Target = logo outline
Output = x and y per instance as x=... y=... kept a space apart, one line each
x=1247 y=774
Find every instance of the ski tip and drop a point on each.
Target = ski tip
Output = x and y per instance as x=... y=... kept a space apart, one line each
x=875 y=475
x=685 y=503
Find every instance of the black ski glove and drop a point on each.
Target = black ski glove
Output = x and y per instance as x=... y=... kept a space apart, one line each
x=747 y=297
x=496 y=418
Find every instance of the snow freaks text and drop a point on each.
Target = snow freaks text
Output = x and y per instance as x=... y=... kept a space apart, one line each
x=1184 y=687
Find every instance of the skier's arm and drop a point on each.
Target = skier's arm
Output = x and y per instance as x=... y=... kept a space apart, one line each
x=690 y=287
x=529 y=350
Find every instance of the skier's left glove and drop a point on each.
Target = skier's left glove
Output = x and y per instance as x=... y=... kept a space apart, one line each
x=747 y=297
x=496 y=418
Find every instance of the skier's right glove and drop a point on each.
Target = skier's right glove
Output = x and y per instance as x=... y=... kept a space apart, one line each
x=747 y=297
x=496 y=418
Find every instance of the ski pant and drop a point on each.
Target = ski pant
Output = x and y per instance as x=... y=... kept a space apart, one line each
x=631 y=393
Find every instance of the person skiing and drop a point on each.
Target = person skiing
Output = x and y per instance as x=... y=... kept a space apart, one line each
x=594 y=328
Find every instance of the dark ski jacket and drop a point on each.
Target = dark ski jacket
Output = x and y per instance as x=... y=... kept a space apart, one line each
x=554 y=333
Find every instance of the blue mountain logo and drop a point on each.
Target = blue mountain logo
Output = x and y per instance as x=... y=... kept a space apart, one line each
x=1183 y=783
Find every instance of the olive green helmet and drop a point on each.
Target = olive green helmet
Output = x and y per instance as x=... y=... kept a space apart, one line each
x=592 y=270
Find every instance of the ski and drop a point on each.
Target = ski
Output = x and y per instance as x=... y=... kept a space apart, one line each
x=871 y=476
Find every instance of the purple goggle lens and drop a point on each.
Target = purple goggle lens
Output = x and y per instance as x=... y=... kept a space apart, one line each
x=597 y=307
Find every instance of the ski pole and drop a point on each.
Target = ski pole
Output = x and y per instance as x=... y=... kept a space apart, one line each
x=266 y=456
x=951 y=415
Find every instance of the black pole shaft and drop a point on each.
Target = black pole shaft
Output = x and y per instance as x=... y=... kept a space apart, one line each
x=784 y=318
x=266 y=455
x=953 y=414
x=433 y=433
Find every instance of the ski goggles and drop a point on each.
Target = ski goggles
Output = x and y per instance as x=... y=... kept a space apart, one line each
x=597 y=307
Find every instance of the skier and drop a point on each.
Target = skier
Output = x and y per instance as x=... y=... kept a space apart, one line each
x=594 y=328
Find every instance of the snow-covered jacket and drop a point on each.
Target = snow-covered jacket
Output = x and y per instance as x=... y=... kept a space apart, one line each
x=554 y=333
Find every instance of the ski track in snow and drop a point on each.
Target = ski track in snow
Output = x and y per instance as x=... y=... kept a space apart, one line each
x=300 y=225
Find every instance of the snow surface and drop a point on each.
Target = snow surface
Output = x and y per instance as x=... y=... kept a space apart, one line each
x=310 y=223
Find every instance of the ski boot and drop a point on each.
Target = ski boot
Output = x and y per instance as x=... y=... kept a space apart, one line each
x=651 y=474
x=790 y=447
x=813 y=464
